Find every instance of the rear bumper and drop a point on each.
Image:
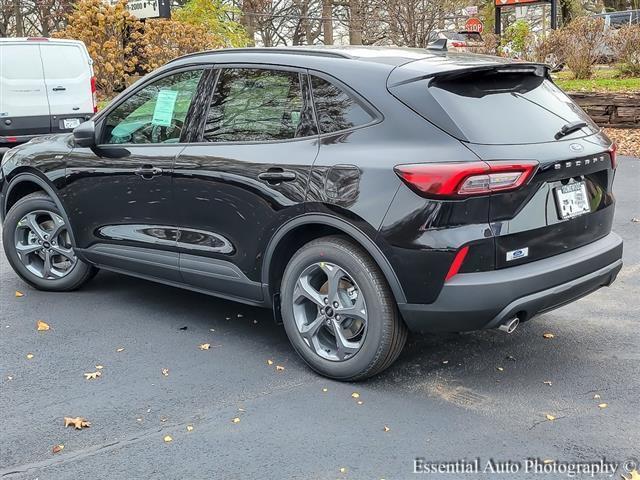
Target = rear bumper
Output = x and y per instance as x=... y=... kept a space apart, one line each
x=474 y=301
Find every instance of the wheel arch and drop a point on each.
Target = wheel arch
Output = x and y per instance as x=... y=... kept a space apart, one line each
x=26 y=183
x=305 y=228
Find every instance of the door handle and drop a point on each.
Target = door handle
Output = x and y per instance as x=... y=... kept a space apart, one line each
x=59 y=89
x=273 y=176
x=148 y=171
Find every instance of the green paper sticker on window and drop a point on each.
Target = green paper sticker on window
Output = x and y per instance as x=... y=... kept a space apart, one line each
x=165 y=104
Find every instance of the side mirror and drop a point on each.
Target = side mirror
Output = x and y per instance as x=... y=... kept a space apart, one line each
x=84 y=134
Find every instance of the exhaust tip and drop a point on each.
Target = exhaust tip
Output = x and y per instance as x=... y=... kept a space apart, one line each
x=510 y=325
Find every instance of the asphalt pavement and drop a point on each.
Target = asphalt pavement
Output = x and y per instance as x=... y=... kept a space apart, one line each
x=456 y=397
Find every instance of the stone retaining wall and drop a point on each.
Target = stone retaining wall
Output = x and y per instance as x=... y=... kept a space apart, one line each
x=616 y=110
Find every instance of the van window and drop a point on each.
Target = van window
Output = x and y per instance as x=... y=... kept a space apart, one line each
x=20 y=62
x=63 y=61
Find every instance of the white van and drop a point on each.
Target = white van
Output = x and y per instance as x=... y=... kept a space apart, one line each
x=46 y=86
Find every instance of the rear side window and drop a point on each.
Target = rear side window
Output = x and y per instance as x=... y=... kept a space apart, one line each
x=335 y=109
x=64 y=61
x=494 y=107
x=20 y=62
x=257 y=105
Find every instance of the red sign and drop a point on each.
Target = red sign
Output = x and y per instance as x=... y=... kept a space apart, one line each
x=474 y=25
x=502 y=3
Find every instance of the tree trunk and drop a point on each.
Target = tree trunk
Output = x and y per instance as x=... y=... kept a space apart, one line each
x=19 y=19
x=327 y=21
x=355 y=22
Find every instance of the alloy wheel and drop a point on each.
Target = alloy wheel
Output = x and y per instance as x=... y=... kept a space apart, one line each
x=43 y=245
x=330 y=311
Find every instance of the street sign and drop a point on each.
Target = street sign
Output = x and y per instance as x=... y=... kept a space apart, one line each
x=147 y=8
x=474 y=25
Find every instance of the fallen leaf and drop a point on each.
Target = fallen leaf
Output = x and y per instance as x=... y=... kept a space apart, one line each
x=603 y=405
x=548 y=335
x=444 y=362
x=236 y=420
x=58 y=448
x=165 y=372
x=325 y=389
x=269 y=362
x=386 y=429
x=78 y=422
x=212 y=329
x=189 y=428
x=635 y=475
x=240 y=409
x=29 y=356
x=19 y=294
x=550 y=417
x=139 y=419
x=9 y=377
x=204 y=346
x=183 y=328
x=360 y=402
x=548 y=461
x=168 y=439
x=42 y=326
x=92 y=375
x=279 y=368
x=120 y=349
x=596 y=396
x=343 y=470
x=500 y=369
x=511 y=357
x=633 y=220
x=163 y=418
x=99 y=367
x=355 y=395
x=547 y=382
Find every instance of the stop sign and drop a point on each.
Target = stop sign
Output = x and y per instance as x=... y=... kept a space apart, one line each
x=474 y=25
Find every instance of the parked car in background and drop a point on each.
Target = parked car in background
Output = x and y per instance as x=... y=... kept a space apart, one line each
x=358 y=192
x=46 y=86
x=459 y=41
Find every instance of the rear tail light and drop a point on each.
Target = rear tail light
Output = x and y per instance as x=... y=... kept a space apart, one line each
x=457 y=263
x=458 y=44
x=613 y=153
x=94 y=94
x=463 y=179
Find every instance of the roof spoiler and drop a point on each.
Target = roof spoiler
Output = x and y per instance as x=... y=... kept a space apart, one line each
x=439 y=45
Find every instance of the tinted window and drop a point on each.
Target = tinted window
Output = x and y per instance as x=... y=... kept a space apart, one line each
x=495 y=108
x=257 y=105
x=336 y=109
x=155 y=114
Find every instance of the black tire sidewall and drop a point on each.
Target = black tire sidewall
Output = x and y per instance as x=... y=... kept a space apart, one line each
x=370 y=351
x=72 y=280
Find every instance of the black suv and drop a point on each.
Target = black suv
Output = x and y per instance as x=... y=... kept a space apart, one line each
x=359 y=192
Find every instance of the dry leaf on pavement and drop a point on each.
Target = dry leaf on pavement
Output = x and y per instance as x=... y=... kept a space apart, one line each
x=386 y=429
x=269 y=362
x=279 y=368
x=548 y=335
x=42 y=326
x=634 y=475
x=204 y=346
x=29 y=356
x=92 y=375
x=168 y=438
x=57 y=448
x=550 y=417
x=19 y=294
x=120 y=349
x=99 y=367
x=325 y=389
x=603 y=405
x=77 y=422
x=500 y=369
x=236 y=420
x=165 y=372
x=343 y=470
x=355 y=395
x=189 y=428
x=547 y=382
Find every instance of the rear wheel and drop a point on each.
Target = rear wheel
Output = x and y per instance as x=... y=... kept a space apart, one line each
x=338 y=311
x=37 y=243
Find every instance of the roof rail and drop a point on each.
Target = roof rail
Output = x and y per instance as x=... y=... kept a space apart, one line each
x=290 y=51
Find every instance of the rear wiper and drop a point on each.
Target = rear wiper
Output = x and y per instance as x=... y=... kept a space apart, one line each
x=570 y=128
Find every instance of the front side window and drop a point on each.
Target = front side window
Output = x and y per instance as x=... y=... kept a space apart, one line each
x=156 y=113
x=256 y=105
x=335 y=109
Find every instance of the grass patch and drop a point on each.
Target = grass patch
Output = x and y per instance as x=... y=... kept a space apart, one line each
x=603 y=80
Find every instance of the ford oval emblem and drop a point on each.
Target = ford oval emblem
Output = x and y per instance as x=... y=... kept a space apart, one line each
x=576 y=147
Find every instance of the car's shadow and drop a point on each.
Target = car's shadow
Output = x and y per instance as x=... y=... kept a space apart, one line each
x=424 y=354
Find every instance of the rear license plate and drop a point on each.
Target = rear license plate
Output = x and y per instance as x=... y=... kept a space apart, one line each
x=71 y=122
x=572 y=200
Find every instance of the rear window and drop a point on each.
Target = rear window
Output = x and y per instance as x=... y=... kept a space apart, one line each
x=20 y=62
x=495 y=107
x=64 y=61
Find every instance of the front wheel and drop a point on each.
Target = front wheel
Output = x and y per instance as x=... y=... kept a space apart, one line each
x=338 y=311
x=38 y=246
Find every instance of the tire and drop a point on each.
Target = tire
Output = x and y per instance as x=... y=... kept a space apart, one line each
x=15 y=234
x=380 y=337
